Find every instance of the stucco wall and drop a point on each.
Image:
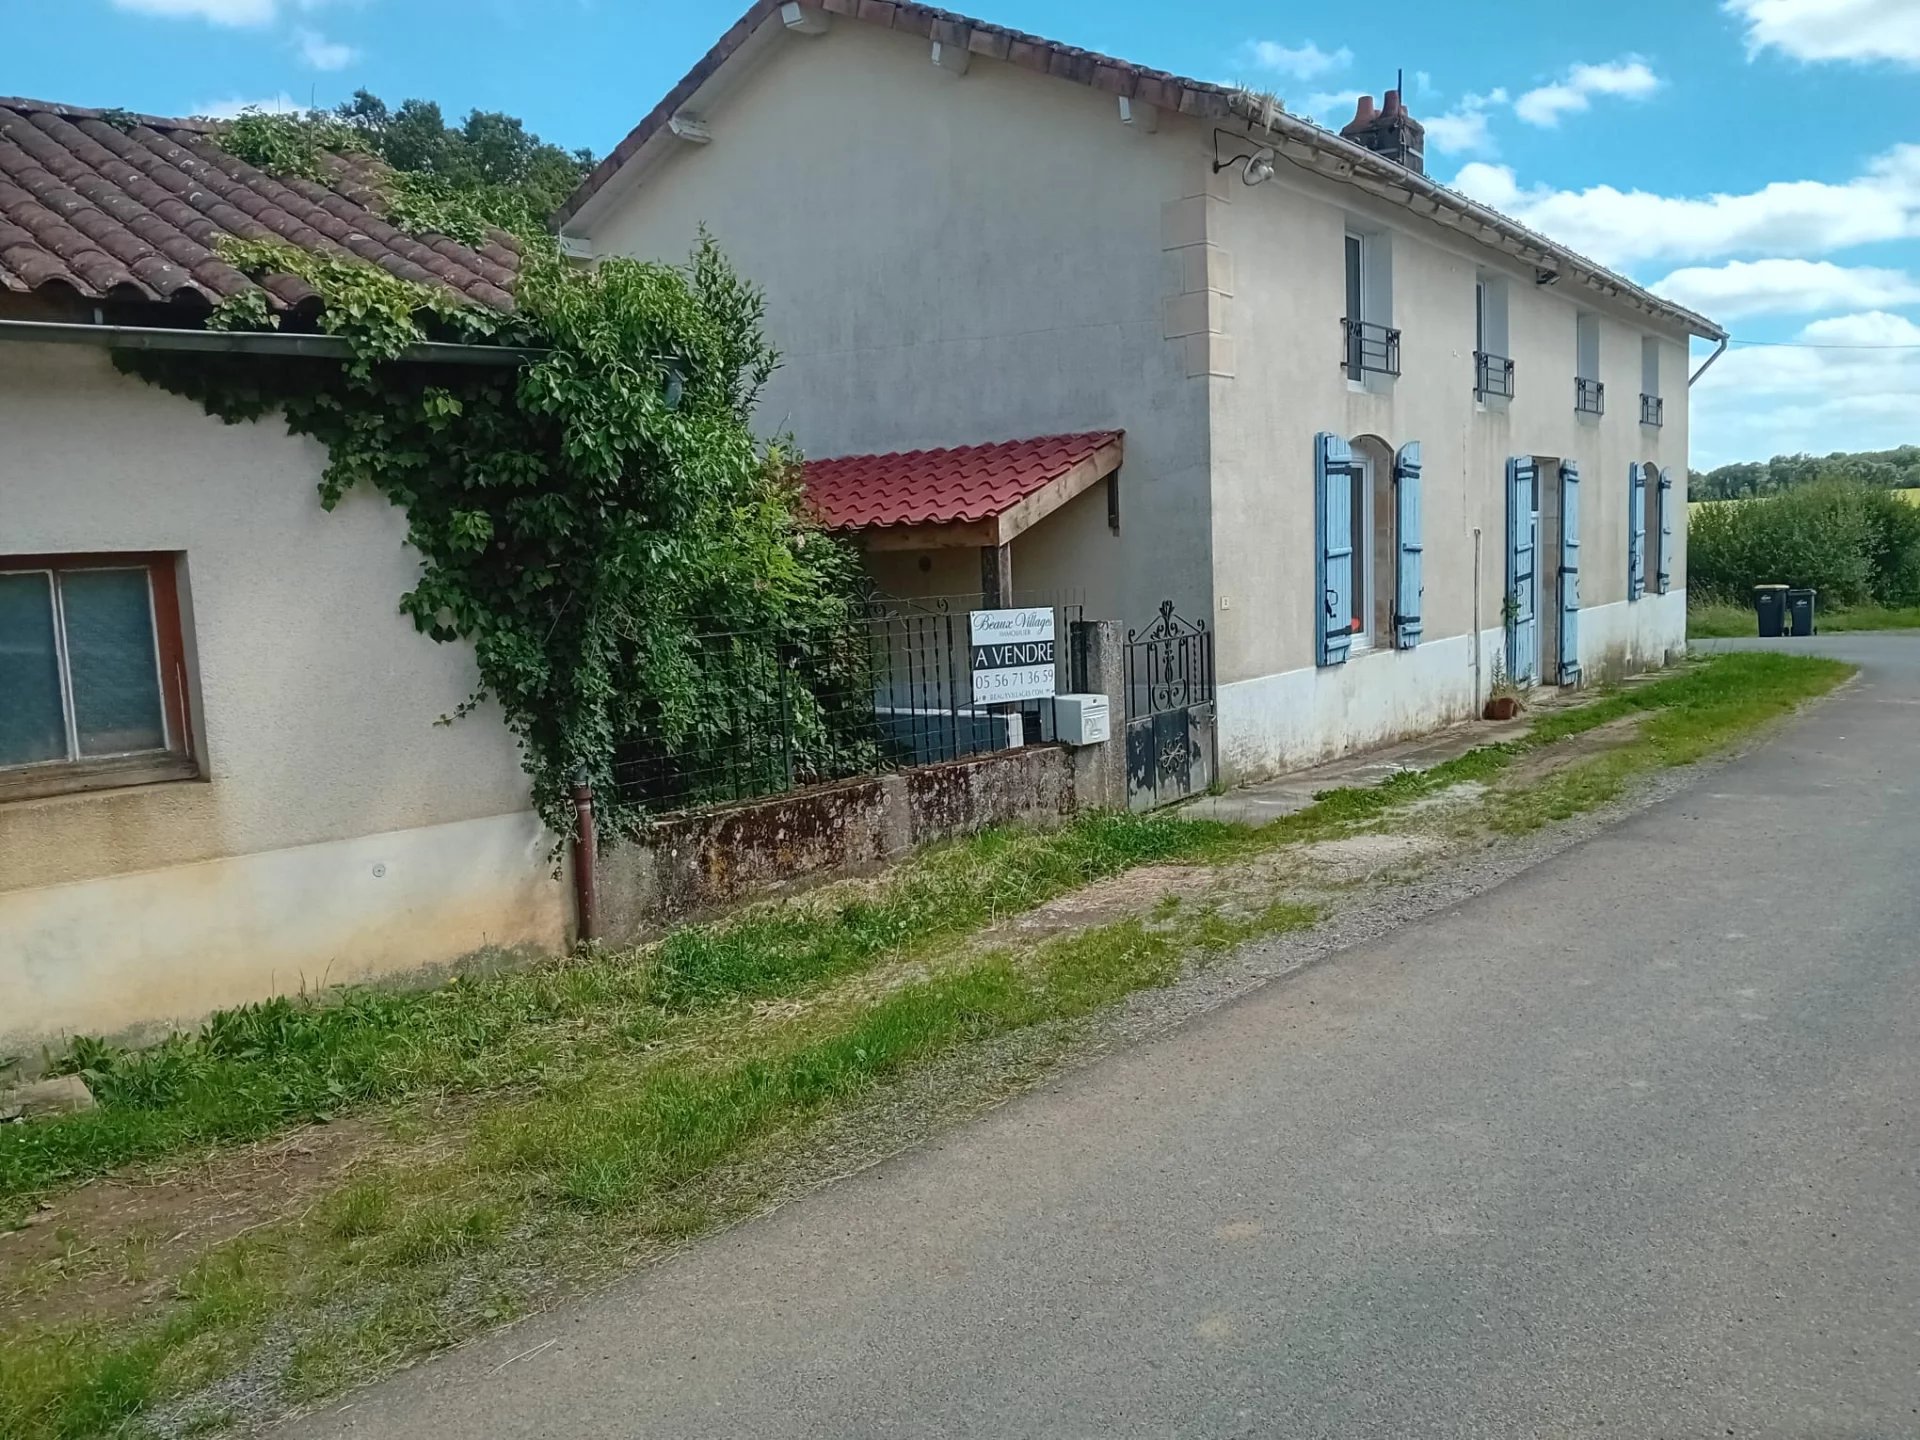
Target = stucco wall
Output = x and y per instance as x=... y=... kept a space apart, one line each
x=1285 y=243
x=957 y=259
x=315 y=710
x=1070 y=557
x=954 y=260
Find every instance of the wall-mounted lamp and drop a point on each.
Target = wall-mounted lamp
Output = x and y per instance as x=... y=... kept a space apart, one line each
x=1256 y=165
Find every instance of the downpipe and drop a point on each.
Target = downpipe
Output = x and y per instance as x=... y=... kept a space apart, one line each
x=585 y=890
x=1478 y=701
x=1707 y=364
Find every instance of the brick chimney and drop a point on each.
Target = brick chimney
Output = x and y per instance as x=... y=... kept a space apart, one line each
x=1389 y=131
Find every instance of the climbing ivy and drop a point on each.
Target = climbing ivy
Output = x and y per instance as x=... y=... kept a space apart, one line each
x=288 y=144
x=582 y=516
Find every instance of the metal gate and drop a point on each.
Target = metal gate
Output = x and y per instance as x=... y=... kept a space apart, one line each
x=1170 y=710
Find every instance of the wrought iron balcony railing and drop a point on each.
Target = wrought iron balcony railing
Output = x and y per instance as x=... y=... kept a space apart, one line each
x=1492 y=375
x=1589 y=397
x=1369 y=349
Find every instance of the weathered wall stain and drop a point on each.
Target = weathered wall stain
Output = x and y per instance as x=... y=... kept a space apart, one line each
x=703 y=862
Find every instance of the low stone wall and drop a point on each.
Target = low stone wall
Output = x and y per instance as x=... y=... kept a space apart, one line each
x=707 y=860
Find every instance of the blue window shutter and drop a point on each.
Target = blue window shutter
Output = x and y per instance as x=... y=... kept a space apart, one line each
x=1408 y=586
x=1663 y=560
x=1522 y=649
x=1333 y=546
x=1636 y=532
x=1569 y=574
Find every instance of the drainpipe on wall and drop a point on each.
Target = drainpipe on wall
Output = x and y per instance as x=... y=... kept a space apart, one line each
x=584 y=892
x=1707 y=364
x=1476 y=620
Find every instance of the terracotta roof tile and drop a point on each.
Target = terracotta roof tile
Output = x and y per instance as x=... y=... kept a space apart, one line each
x=932 y=487
x=132 y=207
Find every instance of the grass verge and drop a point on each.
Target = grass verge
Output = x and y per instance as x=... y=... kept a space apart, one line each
x=1688 y=717
x=375 y=1272
x=251 y=1071
x=1714 y=622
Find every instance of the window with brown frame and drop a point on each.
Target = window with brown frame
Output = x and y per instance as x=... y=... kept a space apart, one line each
x=93 y=688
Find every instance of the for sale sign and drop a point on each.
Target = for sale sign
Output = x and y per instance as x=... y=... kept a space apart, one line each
x=1012 y=654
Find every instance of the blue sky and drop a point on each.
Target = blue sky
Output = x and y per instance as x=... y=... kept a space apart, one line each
x=1757 y=159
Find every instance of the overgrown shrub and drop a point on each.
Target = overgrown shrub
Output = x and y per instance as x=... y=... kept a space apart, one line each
x=1854 y=544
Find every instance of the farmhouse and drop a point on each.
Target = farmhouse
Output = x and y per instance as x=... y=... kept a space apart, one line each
x=1314 y=447
x=1378 y=439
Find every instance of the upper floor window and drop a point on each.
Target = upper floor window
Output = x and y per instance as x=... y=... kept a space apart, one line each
x=92 y=673
x=1492 y=369
x=1369 y=344
x=1652 y=407
x=1356 y=278
x=1589 y=395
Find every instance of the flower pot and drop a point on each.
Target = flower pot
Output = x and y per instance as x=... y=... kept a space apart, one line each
x=1502 y=707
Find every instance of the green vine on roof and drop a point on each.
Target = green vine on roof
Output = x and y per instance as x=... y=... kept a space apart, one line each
x=581 y=520
x=289 y=144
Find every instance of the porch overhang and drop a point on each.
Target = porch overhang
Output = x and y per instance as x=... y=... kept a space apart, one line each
x=976 y=497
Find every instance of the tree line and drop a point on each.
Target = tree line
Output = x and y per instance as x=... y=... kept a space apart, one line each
x=1897 y=469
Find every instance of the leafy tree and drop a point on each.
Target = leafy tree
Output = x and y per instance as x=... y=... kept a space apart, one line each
x=488 y=151
x=1897 y=469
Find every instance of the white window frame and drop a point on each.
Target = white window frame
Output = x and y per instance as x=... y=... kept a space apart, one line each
x=1355 y=241
x=1586 y=346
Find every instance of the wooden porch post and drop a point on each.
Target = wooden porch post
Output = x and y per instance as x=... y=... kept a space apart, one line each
x=996 y=577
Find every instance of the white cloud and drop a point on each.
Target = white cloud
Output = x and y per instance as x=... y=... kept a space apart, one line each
x=1335 y=107
x=218 y=12
x=1858 y=30
x=1464 y=130
x=322 y=53
x=1769 y=400
x=1628 y=79
x=281 y=104
x=1786 y=287
x=1787 y=217
x=1305 y=62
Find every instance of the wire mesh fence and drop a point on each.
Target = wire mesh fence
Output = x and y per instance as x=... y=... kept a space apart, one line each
x=775 y=710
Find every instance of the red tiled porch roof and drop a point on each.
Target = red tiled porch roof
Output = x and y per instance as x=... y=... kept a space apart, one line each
x=1002 y=488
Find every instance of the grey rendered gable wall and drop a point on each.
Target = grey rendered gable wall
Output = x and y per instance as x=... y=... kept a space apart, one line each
x=951 y=259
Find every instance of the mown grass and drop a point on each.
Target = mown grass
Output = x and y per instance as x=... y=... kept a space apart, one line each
x=1706 y=622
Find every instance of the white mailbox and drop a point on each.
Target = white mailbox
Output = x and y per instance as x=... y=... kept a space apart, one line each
x=1081 y=719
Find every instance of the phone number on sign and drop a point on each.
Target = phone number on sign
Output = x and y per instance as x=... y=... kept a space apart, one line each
x=1026 y=682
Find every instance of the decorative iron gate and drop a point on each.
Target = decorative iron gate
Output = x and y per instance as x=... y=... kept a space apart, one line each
x=1170 y=710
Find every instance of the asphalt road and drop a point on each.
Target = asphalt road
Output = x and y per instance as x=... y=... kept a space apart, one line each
x=1626 y=1146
